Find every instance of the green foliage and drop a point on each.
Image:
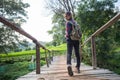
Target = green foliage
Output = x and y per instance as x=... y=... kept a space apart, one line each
x=117 y=31
x=14 y=11
x=42 y=62
x=86 y=54
x=58 y=30
x=13 y=71
x=60 y=47
x=91 y=16
x=18 y=64
x=13 y=54
x=59 y=7
x=112 y=62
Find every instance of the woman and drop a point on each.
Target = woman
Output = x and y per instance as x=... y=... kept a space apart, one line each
x=71 y=44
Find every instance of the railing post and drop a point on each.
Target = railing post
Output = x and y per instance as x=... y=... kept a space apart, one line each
x=49 y=58
x=46 y=58
x=94 y=60
x=37 y=59
x=52 y=55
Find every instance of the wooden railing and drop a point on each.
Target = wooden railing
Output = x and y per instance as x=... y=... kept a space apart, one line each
x=92 y=38
x=49 y=57
x=38 y=45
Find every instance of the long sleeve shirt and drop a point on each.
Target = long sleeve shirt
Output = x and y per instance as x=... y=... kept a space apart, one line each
x=68 y=29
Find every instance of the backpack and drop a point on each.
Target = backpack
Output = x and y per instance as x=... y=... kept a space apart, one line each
x=76 y=33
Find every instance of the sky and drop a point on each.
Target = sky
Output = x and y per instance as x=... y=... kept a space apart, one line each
x=118 y=4
x=39 y=21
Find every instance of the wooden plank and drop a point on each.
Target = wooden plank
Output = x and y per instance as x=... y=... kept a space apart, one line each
x=58 y=71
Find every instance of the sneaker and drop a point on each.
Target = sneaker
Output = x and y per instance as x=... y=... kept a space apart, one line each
x=77 y=70
x=70 y=72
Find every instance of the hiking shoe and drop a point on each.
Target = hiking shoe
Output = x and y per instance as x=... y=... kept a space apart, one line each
x=70 y=72
x=77 y=70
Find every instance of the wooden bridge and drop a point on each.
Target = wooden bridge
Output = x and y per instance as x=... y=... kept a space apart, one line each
x=57 y=71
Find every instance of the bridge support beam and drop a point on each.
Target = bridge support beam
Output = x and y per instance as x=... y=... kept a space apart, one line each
x=94 y=60
x=37 y=59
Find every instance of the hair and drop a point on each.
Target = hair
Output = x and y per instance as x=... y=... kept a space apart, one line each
x=69 y=14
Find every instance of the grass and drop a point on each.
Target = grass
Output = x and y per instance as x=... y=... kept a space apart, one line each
x=13 y=54
x=61 y=48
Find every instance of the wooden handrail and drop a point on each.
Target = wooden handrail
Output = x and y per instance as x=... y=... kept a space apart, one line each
x=21 y=31
x=104 y=27
x=108 y=24
x=16 y=28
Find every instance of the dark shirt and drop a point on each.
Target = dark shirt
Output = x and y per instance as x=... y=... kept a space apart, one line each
x=68 y=29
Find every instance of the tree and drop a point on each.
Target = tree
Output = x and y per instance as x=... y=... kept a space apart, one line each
x=14 y=11
x=58 y=31
x=59 y=7
x=92 y=14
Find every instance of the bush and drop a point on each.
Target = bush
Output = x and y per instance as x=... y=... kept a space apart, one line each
x=13 y=71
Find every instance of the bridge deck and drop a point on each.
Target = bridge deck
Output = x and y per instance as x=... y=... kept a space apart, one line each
x=58 y=71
